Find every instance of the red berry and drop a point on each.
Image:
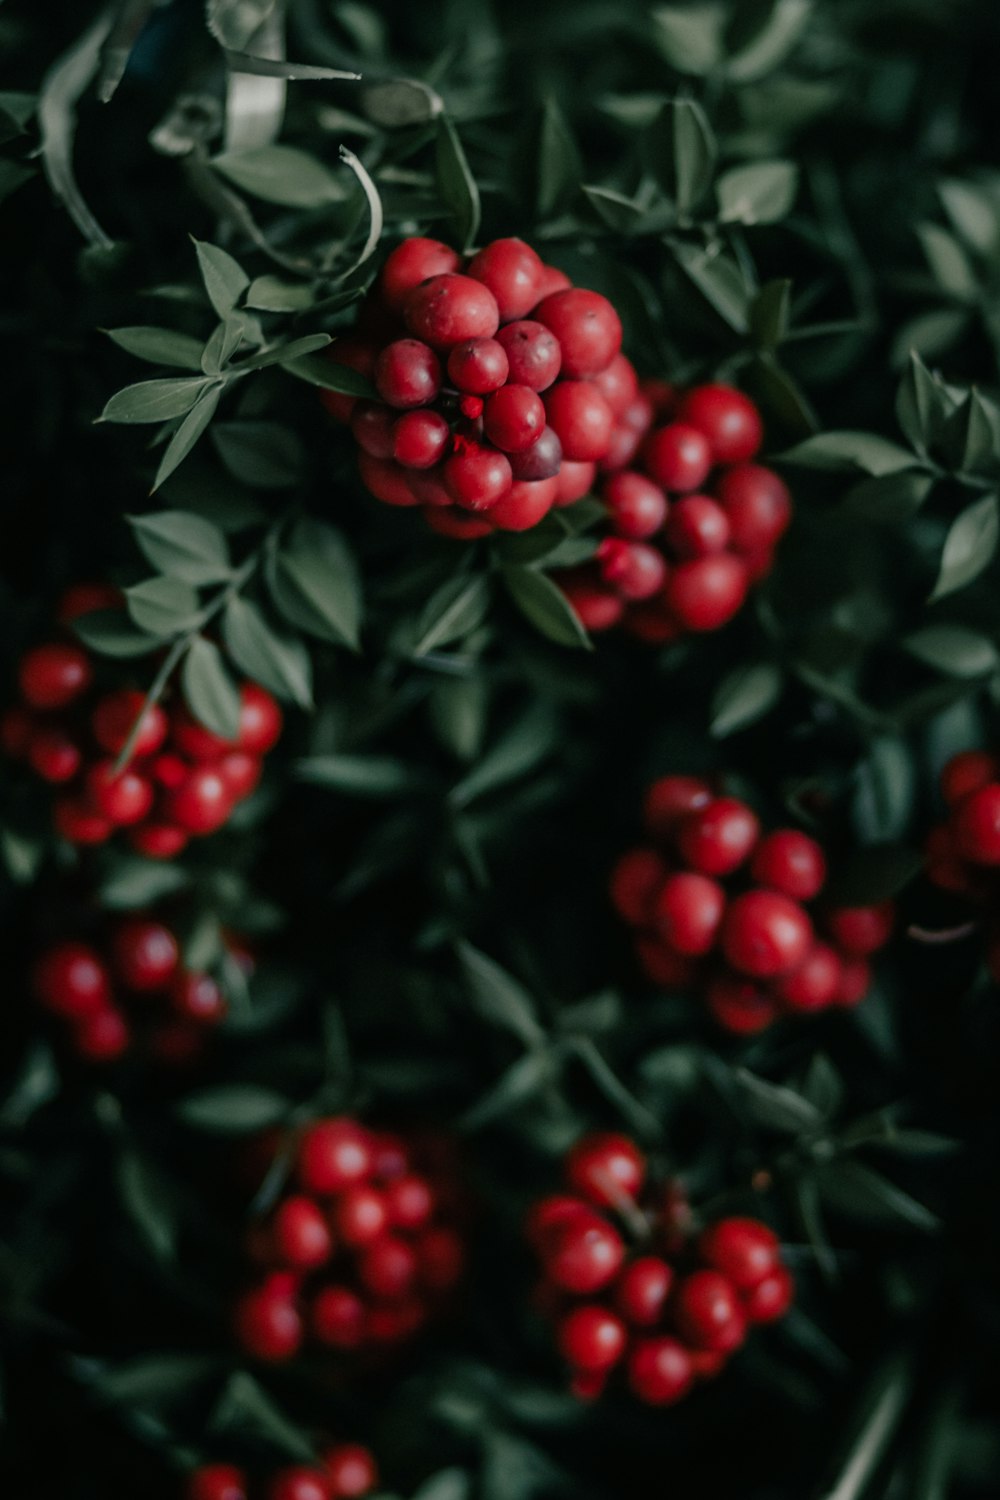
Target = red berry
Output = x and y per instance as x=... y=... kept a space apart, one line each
x=739 y=1006
x=697 y=527
x=513 y=273
x=553 y=280
x=412 y=262
x=268 y=1324
x=478 y=366
x=771 y=1298
x=371 y=425
x=618 y=384
x=637 y=506
x=587 y=327
x=729 y=420
x=744 y=1250
x=524 y=505
x=353 y=354
x=636 y=570
x=477 y=478
x=976 y=824
x=580 y=417
x=334 y=1155
x=79 y=823
x=623 y=445
x=440 y=1258
x=351 y=1471
x=240 y=772
x=534 y=357
x=395 y=1322
x=53 y=756
x=114 y=719
x=409 y=1201
x=299 y=1234
x=388 y=1267
x=968 y=772
x=360 y=1215
x=191 y=741
x=550 y=1213
x=642 y=1289
x=669 y=799
x=595 y=607
x=447 y=310
x=815 y=983
x=541 y=461
x=158 y=840
x=706 y=593
x=16 y=728
x=299 y=1483
x=576 y=479
x=71 y=981
x=455 y=523
x=635 y=881
x=659 y=1371
x=758 y=505
x=716 y=839
x=790 y=862
x=407 y=373
x=386 y=480
x=678 y=457
x=338 y=1318
x=420 y=439
x=102 y=1037
x=145 y=954
x=123 y=797
x=687 y=912
x=707 y=1312
x=583 y=1254
x=514 y=418
x=663 y=966
x=861 y=930
x=217 y=1482
x=591 y=1338
x=198 y=997
x=85 y=599
x=765 y=933
x=202 y=803
x=855 y=982
x=54 y=676
x=606 y=1169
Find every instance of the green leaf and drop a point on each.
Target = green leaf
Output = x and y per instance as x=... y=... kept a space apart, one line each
x=209 y=690
x=954 y=650
x=319 y=369
x=921 y=405
x=859 y=1192
x=246 y=1410
x=263 y=455
x=154 y=400
x=886 y=789
x=559 y=164
x=316 y=572
x=188 y=433
x=718 y=279
x=929 y=334
x=278 y=661
x=361 y=775
x=769 y=314
x=847 y=452
x=498 y=996
x=455 y=183
x=522 y=1081
x=745 y=696
x=282 y=174
x=761 y=192
x=546 y=606
x=110 y=632
x=684 y=152
x=767 y=46
x=160 y=346
x=949 y=263
x=234 y=1108
x=455 y=609
x=529 y=740
x=224 y=278
x=457 y=709
x=973 y=213
x=775 y=1106
x=269 y=294
x=183 y=545
x=147 y=1203
x=969 y=547
x=891 y=498
x=163 y=606
x=401 y=101
x=690 y=38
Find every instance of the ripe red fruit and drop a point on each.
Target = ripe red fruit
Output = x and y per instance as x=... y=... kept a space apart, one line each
x=591 y=1338
x=757 y=504
x=524 y=505
x=678 y=457
x=550 y=1213
x=514 y=418
x=202 y=803
x=618 y=384
x=217 y=1482
x=240 y=772
x=351 y=1471
x=102 y=1037
x=587 y=327
x=53 y=755
x=553 y=280
x=706 y=593
x=765 y=933
x=861 y=930
x=407 y=373
x=455 y=523
x=192 y=741
x=300 y=1235
x=360 y=1215
x=583 y=1254
x=637 y=507
x=513 y=273
x=268 y=1324
x=968 y=772
x=707 y=1312
x=478 y=366
x=338 y=1318
x=635 y=880
x=447 y=310
x=145 y=954
x=669 y=799
x=576 y=479
x=299 y=1483
x=412 y=262
x=198 y=997
x=717 y=838
x=771 y=1298
x=540 y=461
x=855 y=982
x=85 y=599
x=687 y=912
x=790 y=862
x=71 y=981
x=79 y=823
x=815 y=983
x=580 y=418
x=697 y=527
x=372 y=425
x=729 y=420
x=420 y=439
x=976 y=823
x=738 y=1005
x=534 y=357
x=477 y=478
x=606 y=1168
x=659 y=1371
x=440 y=1258
x=663 y=966
x=123 y=798
x=386 y=480
x=388 y=1267
x=744 y=1250
x=636 y=570
x=158 y=840
x=334 y=1155
x=408 y=1201
x=642 y=1289
x=54 y=676
x=113 y=719
x=595 y=607
x=353 y=354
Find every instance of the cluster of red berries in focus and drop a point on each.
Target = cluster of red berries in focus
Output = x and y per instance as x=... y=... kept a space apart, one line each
x=631 y=1288
x=132 y=989
x=181 y=780
x=361 y=1253
x=963 y=852
x=720 y=906
x=345 y=1471
x=500 y=386
x=693 y=520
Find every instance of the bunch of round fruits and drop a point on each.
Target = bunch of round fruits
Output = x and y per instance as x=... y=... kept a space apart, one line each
x=345 y=1471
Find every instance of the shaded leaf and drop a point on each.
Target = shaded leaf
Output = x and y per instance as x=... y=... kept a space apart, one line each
x=543 y=603
x=183 y=545
x=160 y=346
x=362 y=775
x=455 y=183
x=209 y=690
x=233 y=1108
x=263 y=455
x=969 y=547
x=282 y=174
x=224 y=278
x=759 y=193
x=498 y=996
x=745 y=696
x=154 y=400
x=163 y=606
x=456 y=608
x=278 y=661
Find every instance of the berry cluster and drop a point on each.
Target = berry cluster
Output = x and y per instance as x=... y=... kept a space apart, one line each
x=629 y=1287
x=750 y=946
x=360 y=1254
x=345 y=1471
x=133 y=989
x=963 y=852
x=500 y=386
x=693 y=521
x=181 y=779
